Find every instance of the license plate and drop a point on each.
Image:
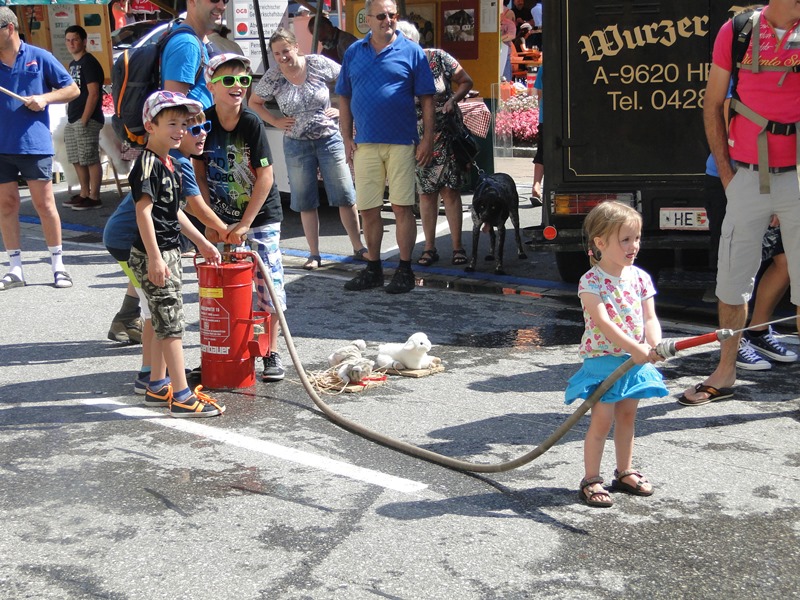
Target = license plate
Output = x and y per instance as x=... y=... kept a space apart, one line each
x=683 y=219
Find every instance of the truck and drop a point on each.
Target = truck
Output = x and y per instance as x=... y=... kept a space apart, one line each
x=623 y=95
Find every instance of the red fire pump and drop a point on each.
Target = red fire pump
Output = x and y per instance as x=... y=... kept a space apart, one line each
x=232 y=335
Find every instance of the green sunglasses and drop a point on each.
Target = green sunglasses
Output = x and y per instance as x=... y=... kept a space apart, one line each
x=231 y=80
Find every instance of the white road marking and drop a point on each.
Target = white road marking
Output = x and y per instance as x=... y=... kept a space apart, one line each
x=308 y=459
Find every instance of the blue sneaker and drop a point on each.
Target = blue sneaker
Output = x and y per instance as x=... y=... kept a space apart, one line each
x=749 y=360
x=143 y=379
x=160 y=397
x=140 y=383
x=767 y=345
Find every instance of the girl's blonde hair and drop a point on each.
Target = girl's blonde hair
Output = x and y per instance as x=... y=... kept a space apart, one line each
x=605 y=220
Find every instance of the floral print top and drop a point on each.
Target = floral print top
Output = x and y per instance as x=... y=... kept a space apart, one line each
x=306 y=102
x=622 y=297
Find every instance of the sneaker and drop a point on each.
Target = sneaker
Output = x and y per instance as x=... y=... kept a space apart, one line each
x=87 y=204
x=140 y=383
x=749 y=360
x=402 y=282
x=196 y=405
x=273 y=368
x=126 y=332
x=365 y=280
x=194 y=376
x=159 y=397
x=76 y=199
x=767 y=345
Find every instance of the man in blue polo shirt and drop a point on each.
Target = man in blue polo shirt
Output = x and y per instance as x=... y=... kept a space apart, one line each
x=185 y=55
x=381 y=74
x=37 y=79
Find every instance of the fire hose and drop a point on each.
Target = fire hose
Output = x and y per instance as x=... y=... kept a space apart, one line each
x=666 y=349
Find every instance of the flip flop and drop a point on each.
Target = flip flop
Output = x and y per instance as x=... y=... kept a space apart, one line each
x=10 y=281
x=713 y=394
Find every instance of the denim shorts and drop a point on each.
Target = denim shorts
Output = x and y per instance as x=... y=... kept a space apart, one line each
x=303 y=157
x=32 y=167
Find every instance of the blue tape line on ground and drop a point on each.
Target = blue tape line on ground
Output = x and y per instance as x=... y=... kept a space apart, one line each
x=505 y=279
x=67 y=226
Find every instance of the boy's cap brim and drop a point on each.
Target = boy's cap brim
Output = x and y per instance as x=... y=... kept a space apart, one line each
x=220 y=59
x=160 y=100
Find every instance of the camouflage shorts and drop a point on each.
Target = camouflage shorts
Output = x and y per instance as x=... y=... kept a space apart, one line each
x=165 y=303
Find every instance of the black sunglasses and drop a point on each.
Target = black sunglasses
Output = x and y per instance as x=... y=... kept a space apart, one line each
x=195 y=130
x=384 y=16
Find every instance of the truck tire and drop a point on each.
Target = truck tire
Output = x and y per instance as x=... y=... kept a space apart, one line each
x=571 y=265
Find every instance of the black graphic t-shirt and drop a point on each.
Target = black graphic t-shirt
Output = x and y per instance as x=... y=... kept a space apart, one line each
x=87 y=69
x=232 y=158
x=158 y=179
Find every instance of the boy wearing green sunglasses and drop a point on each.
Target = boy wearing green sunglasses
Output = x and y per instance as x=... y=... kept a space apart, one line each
x=236 y=179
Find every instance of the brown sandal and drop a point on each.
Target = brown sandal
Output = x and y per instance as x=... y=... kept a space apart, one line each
x=459 y=257
x=314 y=262
x=636 y=490
x=428 y=257
x=589 y=499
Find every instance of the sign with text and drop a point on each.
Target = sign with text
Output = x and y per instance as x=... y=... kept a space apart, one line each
x=646 y=69
x=245 y=27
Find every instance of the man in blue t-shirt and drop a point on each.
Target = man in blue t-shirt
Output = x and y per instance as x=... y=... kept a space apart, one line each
x=381 y=74
x=185 y=55
x=34 y=79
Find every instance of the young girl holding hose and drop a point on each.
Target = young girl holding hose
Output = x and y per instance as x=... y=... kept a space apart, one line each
x=620 y=318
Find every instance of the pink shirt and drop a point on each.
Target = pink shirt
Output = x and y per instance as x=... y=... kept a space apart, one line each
x=761 y=93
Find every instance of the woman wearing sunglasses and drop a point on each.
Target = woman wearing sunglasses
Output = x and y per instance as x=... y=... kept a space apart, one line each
x=311 y=139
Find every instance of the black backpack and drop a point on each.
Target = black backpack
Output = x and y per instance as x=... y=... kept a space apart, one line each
x=742 y=32
x=136 y=75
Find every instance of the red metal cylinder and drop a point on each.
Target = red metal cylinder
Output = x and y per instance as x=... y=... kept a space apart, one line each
x=227 y=323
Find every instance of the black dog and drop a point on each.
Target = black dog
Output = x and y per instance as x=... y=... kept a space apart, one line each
x=495 y=199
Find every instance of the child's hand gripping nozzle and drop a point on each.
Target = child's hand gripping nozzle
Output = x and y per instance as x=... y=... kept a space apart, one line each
x=669 y=348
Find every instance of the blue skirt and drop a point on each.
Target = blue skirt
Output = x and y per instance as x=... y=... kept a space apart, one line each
x=641 y=381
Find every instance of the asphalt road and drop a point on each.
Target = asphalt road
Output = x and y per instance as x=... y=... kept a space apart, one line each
x=103 y=498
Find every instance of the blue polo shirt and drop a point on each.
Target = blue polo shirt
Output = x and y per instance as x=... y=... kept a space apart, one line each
x=382 y=87
x=35 y=71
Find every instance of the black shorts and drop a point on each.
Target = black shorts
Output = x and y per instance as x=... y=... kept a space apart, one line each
x=539 y=158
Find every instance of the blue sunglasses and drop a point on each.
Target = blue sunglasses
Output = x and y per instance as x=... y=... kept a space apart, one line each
x=195 y=130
